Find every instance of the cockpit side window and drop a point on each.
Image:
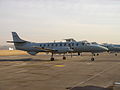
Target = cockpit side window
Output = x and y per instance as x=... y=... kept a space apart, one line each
x=88 y=43
x=83 y=43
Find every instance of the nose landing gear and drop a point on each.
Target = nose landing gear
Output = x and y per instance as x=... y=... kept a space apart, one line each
x=92 y=59
x=64 y=58
x=52 y=58
x=78 y=54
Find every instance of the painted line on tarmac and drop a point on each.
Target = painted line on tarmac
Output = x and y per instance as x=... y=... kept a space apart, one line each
x=96 y=75
x=59 y=65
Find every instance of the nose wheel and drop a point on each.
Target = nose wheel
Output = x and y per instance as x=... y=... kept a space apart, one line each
x=52 y=59
x=92 y=59
x=64 y=58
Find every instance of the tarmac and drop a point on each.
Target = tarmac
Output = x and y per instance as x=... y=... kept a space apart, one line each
x=26 y=72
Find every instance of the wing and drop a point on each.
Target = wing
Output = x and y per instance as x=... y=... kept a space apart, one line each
x=45 y=49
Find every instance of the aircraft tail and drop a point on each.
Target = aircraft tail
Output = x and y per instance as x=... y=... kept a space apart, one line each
x=16 y=38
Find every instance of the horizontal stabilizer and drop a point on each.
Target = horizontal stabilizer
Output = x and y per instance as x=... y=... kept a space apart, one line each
x=16 y=42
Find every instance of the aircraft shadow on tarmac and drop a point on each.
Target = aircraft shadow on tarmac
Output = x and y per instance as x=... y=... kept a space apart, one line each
x=99 y=60
x=26 y=59
x=89 y=88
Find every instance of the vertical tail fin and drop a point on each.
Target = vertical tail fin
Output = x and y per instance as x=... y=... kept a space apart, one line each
x=16 y=38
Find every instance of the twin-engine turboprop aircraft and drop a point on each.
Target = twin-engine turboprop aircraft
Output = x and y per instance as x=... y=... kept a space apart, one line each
x=55 y=47
x=112 y=48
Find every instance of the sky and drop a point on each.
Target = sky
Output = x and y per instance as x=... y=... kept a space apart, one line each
x=49 y=20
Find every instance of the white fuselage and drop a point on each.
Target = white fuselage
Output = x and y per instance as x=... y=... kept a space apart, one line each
x=61 y=47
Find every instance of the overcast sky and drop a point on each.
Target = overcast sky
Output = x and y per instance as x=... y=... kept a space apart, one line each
x=49 y=20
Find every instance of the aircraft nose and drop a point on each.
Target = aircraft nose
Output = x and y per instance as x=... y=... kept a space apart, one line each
x=103 y=48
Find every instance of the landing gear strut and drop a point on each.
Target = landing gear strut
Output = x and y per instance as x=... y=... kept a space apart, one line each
x=52 y=58
x=78 y=54
x=71 y=55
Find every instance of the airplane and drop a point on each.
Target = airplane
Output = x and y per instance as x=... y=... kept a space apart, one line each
x=55 y=47
x=112 y=48
x=85 y=46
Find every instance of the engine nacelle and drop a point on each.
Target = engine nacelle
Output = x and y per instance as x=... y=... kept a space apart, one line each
x=32 y=53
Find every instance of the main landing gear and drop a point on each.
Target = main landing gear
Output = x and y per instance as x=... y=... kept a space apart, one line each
x=93 y=59
x=116 y=54
x=64 y=58
x=52 y=58
x=96 y=54
x=79 y=53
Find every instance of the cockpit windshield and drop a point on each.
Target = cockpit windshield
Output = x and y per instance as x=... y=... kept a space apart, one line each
x=85 y=43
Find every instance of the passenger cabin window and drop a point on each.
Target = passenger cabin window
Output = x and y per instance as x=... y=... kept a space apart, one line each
x=72 y=44
x=64 y=44
x=69 y=44
x=51 y=44
x=60 y=44
x=56 y=44
x=40 y=45
x=48 y=45
x=77 y=44
x=44 y=45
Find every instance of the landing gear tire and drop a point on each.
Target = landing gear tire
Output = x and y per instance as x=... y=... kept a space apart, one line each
x=93 y=54
x=115 y=54
x=92 y=59
x=52 y=59
x=78 y=54
x=64 y=58
x=97 y=54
